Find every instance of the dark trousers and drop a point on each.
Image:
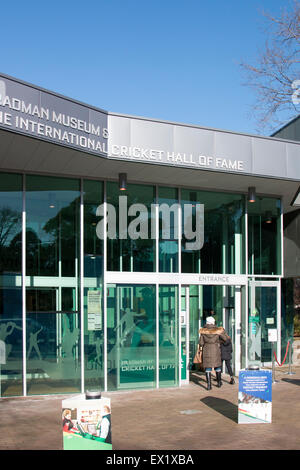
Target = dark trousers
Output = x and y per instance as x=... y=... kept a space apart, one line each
x=228 y=367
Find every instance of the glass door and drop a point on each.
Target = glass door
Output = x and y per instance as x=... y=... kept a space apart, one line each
x=143 y=336
x=184 y=334
x=219 y=301
x=264 y=309
x=131 y=332
x=229 y=318
x=168 y=336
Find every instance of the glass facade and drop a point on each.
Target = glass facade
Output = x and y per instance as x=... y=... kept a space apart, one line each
x=53 y=323
x=93 y=290
x=263 y=311
x=264 y=236
x=223 y=249
x=130 y=246
x=131 y=336
x=11 y=321
x=168 y=224
x=217 y=301
x=168 y=336
x=66 y=325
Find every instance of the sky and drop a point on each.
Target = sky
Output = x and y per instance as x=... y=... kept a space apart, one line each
x=164 y=59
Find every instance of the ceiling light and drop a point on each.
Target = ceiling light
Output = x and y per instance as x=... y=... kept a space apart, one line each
x=122 y=181
x=251 y=194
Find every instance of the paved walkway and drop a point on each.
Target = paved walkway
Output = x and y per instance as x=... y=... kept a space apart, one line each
x=187 y=418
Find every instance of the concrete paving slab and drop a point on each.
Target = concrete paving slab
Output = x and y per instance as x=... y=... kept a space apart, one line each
x=186 y=418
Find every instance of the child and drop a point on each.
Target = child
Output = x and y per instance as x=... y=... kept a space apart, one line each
x=226 y=355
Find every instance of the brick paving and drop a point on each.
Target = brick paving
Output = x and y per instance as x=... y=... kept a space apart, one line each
x=186 y=418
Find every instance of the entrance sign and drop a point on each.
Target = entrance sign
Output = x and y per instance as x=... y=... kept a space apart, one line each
x=222 y=279
x=255 y=396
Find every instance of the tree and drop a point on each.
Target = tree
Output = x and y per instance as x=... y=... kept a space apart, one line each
x=275 y=77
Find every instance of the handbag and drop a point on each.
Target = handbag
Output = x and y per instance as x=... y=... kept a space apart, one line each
x=198 y=356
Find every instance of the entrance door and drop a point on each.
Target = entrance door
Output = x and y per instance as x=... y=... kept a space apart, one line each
x=231 y=308
x=264 y=308
x=220 y=301
x=142 y=331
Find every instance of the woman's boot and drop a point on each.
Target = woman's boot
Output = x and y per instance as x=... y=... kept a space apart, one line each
x=208 y=380
x=232 y=380
x=219 y=381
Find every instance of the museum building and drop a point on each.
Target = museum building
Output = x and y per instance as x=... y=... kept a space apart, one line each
x=119 y=235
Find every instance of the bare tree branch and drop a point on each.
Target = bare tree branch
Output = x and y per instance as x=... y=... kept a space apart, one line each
x=276 y=70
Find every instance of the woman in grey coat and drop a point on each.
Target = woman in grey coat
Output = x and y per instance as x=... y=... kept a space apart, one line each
x=210 y=339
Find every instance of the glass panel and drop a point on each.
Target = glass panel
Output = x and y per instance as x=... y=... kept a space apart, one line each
x=53 y=353
x=244 y=321
x=224 y=241
x=168 y=230
x=93 y=288
x=10 y=277
x=52 y=270
x=289 y=291
x=124 y=251
x=229 y=318
x=264 y=236
x=131 y=331
x=183 y=326
x=262 y=317
x=196 y=302
x=205 y=301
x=213 y=303
x=168 y=336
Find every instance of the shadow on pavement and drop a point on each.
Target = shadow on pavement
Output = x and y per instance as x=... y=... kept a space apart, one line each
x=292 y=381
x=224 y=407
x=198 y=378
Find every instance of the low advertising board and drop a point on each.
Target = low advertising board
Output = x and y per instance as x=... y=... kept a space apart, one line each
x=255 y=396
x=86 y=423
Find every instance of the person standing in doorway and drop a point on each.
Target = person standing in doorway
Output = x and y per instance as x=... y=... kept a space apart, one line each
x=210 y=338
x=226 y=355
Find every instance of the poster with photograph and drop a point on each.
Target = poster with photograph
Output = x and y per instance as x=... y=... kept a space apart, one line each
x=86 y=424
x=255 y=396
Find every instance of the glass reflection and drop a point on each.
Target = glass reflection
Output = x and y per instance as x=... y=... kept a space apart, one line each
x=125 y=253
x=223 y=250
x=168 y=242
x=131 y=334
x=11 y=343
x=52 y=297
x=93 y=288
x=168 y=336
x=264 y=236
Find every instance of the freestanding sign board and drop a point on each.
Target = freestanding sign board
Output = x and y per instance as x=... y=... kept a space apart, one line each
x=86 y=423
x=255 y=396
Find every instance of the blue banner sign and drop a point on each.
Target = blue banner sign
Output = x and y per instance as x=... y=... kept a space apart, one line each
x=255 y=396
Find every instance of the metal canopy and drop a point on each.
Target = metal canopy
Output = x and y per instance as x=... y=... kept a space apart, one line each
x=24 y=154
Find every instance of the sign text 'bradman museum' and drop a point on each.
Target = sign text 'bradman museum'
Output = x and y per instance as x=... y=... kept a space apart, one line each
x=38 y=113
x=49 y=129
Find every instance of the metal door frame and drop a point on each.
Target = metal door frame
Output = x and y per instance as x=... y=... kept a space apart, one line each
x=252 y=285
x=187 y=333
